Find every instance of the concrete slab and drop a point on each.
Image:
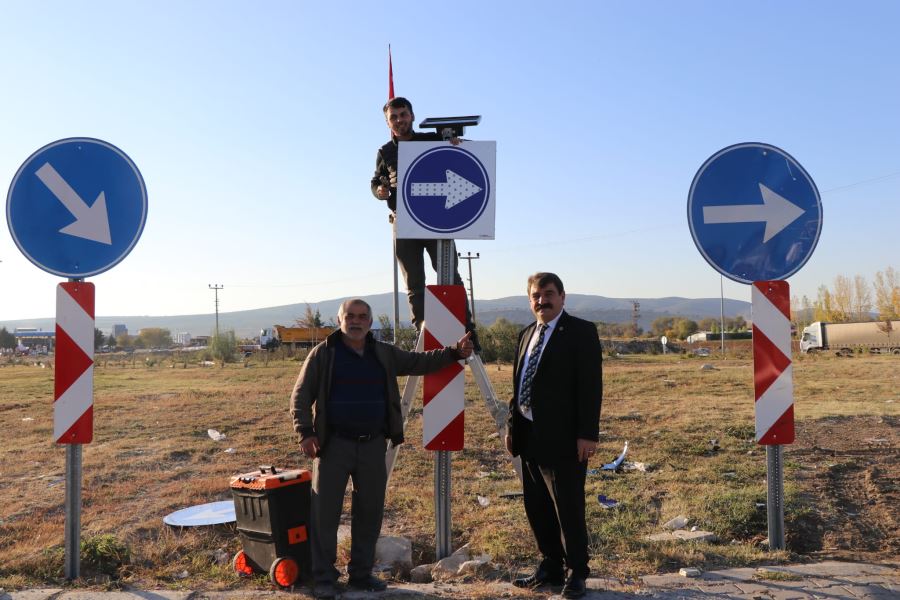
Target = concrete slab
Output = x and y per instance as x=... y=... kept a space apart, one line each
x=125 y=595
x=739 y=574
x=43 y=594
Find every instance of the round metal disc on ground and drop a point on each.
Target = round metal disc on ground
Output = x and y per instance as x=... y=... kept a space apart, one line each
x=214 y=513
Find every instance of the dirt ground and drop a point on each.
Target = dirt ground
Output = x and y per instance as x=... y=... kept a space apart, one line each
x=849 y=469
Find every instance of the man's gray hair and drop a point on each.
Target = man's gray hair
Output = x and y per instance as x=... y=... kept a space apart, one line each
x=347 y=303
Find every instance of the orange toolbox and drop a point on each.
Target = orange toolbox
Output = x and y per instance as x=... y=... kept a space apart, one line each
x=272 y=510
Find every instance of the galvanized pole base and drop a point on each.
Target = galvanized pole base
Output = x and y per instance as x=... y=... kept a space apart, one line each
x=775 y=496
x=73 y=511
x=442 y=467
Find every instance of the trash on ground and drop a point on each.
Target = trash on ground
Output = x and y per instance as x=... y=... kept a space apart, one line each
x=607 y=502
x=635 y=466
x=483 y=501
x=229 y=451
x=215 y=435
x=28 y=418
x=616 y=463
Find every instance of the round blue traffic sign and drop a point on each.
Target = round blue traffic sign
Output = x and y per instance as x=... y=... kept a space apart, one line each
x=755 y=214
x=446 y=189
x=77 y=207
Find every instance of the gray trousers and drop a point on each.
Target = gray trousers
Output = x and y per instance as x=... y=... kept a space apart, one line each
x=363 y=462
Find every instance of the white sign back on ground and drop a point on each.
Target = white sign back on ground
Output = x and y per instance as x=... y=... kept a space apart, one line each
x=446 y=191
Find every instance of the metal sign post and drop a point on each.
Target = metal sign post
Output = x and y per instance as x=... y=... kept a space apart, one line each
x=75 y=208
x=73 y=511
x=756 y=215
x=445 y=191
x=442 y=466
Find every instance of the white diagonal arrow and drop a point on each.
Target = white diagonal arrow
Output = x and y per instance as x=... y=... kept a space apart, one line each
x=456 y=189
x=91 y=222
x=776 y=211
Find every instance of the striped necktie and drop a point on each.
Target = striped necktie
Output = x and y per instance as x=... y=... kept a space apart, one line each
x=530 y=368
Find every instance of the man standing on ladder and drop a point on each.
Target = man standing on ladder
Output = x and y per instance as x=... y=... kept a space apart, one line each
x=398 y=113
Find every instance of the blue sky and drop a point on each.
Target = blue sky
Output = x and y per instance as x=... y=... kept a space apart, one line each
x=255 y=126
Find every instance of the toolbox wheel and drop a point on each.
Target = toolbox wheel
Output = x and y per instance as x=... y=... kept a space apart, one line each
x=241 y=564
x=284 y=571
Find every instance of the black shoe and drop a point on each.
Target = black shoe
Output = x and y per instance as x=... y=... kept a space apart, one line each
x=369 y=583
x=574 y=588
x=324 y=591
x=540 y=577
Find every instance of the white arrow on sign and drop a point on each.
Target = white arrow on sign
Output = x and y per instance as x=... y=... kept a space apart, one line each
x=776 y=211
x=456 y=189
x=91 y=222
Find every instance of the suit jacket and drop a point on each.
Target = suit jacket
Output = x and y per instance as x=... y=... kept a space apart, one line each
x=566 y=392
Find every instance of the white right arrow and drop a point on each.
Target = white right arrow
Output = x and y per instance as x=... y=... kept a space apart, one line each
x=776 y=211
x=91 y=222
x=455 y=190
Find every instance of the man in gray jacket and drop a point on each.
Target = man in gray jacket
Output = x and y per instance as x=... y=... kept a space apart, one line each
x=345 y=407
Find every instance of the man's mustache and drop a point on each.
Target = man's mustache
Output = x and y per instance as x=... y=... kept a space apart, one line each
x=544 y=305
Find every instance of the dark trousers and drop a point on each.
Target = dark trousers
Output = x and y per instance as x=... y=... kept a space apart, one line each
x=363 y=462
x=412 y=263
x=554 y=504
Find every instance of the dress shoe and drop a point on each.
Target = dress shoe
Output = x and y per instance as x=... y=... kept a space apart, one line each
x=540 y=577
x=325 y=591
x=574 y=588
x=369 y=583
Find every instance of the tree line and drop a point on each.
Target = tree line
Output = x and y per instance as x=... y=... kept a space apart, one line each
x=851 y=299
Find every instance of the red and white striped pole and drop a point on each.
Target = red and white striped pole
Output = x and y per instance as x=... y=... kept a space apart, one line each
x=443 y=392
x=443 y=396
x=774 y=390
x=73 y=400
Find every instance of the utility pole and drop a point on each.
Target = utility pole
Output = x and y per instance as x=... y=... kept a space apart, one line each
x=470 y=258
x=635 y=315
x=217 y=287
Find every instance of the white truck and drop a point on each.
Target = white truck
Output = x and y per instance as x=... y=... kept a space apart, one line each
x=878 y=337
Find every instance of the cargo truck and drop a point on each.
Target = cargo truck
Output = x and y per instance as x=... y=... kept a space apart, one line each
x=293 y=337
x=878 y=337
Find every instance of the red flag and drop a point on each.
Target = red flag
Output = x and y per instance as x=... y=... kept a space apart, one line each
x=390 y=75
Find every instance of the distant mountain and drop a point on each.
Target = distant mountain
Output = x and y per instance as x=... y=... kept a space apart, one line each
x=247 y=323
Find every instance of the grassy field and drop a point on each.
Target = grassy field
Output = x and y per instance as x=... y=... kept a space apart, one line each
x=692 y=429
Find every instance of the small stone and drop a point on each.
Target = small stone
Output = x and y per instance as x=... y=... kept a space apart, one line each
x=689 y=572
x=421 y=574
x=696 y=536
x=395 y=551
x=477 y=565
x=678 y=522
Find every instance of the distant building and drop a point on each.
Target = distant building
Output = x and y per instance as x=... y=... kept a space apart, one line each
x=201 y=340
x=709 y=336
x=119 y=329
x=183 y=338
x=35 y=339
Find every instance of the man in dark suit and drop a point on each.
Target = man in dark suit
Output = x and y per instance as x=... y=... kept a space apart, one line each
x=554 y=422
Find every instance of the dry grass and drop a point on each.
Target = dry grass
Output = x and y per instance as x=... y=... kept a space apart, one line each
x=151 y=455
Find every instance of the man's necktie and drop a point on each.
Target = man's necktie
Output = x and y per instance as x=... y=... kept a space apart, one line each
x=530 y=368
